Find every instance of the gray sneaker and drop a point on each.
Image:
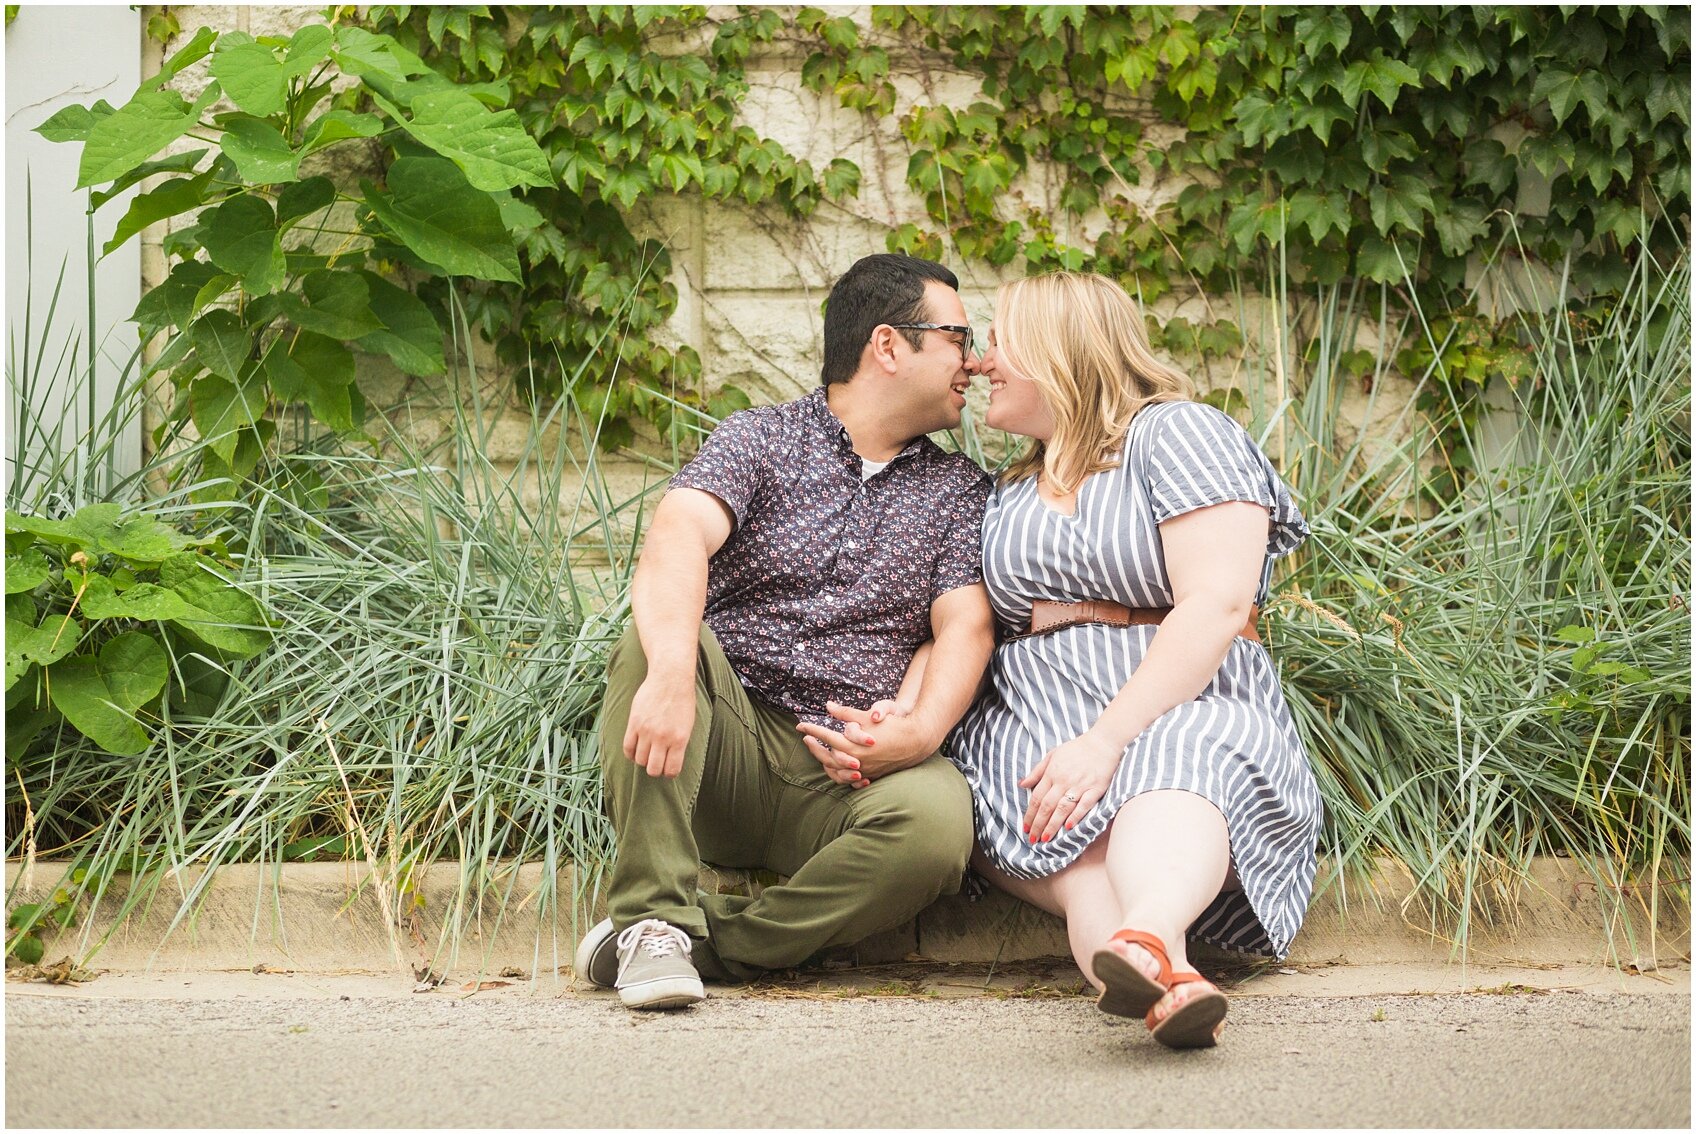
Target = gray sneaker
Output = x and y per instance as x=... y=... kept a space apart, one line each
x=596 y=960
x=654 y=969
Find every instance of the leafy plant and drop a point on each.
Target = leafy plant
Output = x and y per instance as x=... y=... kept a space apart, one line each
x=284 y=268
x=97 y=607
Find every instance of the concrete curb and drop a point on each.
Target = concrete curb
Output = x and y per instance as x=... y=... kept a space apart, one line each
x=330 y=917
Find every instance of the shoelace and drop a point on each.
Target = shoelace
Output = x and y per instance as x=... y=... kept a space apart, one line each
x=654 y=937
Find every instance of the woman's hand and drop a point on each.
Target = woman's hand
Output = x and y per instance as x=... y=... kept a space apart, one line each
x=1067 y=782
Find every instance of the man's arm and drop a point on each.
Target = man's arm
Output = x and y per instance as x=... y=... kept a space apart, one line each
x=668 y=596
x=963 y=630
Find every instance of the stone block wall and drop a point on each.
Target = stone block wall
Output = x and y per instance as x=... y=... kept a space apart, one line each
x=751 y=283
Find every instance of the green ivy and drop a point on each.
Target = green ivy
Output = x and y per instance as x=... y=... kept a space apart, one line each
x=1384 y=143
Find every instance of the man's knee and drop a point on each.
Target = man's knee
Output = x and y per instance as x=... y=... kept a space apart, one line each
x=928 y=812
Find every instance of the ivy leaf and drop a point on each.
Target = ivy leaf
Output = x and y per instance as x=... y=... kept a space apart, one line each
x=337 y=304
x=1319 y=117
x=100 y=696
x=1565 y=90
x=1383 y=77
x=149 y=122
x=411 y=336
x=1489 y=164
x=336 y=125
x=1669 y=96
x=176 y=196
x=241 y=237
x=1460 y=225
x=494 y=150
x=221 y=342
x=436 y=213
x=170 y=303
x=1326 y=27
x=1320 y=212
x=1260 y=119
x=259 y=151
x=73 y=123
x=841 y=178
x=1400 y=204
x=1379 y=261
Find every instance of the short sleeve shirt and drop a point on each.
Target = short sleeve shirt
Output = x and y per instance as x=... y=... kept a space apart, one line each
x=823 y=590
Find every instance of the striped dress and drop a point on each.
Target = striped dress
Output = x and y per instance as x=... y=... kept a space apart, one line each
x=1235 y=744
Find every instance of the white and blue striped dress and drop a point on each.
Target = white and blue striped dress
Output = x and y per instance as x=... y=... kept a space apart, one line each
x=1235 y=744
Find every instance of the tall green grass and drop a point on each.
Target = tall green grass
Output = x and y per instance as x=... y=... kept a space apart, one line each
x=440 y=641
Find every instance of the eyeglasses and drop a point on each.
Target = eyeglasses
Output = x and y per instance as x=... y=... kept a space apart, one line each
x=965 y=332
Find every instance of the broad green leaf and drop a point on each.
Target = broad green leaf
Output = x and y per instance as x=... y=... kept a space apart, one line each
x=176 y=163
x=337 y=303
x=1488 y=163
x=220 y=408
x=308 y=47
x=303 y=199
x=26 y=571
x=147 y=602
x=516 y=214
x=73 y=123
x=27 y=947
x=216 y=288
x=253 y=77
x=100 y=696
x=369 y=55
x=259 y=151
x=336 y=125
x=176 y=196
x=42 y=645
x=241 y=237
x=411 y=336
x=103 y=529
x=433 y=210
x=493 y=149
x=1379 y=261
x=327 y=369
x=221 y=342
x=187 y=55
x=284 y=375
x=1459 y=226
x=235 y=624
x=139 y=129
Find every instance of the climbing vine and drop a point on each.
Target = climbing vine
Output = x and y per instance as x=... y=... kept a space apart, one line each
x=1391 y=144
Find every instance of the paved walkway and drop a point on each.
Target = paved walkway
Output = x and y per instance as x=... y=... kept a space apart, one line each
x=898 y=1047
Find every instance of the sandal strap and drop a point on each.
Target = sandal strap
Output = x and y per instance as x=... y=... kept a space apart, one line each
x=1154 y=945
x=1187 y=978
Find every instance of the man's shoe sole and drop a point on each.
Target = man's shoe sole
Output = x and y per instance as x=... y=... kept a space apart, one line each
x=671 y=992
x=596 y=959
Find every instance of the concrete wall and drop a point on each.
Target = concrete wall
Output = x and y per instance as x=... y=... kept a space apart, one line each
x=56 y=56
x=751 y=283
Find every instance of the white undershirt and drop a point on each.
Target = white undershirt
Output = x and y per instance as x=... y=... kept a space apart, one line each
x=869 y=469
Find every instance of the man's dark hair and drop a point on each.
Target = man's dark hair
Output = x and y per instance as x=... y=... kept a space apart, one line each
x=885 y=288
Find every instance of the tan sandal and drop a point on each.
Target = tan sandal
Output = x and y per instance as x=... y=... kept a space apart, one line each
x=1125 y=989
x=1197 y=1021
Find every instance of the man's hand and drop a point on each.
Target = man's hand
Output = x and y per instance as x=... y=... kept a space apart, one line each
x=873 y=742
x=662 y=715
x=1067 y=782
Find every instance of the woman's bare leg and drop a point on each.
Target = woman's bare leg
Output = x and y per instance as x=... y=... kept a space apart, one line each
x=1168 y=857
x=1081 y=894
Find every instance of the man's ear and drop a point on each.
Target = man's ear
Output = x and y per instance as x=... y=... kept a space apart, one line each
x=880 y=351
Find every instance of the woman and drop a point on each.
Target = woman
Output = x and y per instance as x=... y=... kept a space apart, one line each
x=1134 y=770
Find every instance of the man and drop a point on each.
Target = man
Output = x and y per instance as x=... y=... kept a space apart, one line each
x=823 y=540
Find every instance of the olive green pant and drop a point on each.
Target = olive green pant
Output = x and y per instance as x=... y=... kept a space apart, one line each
x=859 y=860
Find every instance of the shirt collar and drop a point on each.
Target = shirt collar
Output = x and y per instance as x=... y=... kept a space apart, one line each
x=832 y=425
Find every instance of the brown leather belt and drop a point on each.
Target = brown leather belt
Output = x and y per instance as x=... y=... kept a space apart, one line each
x=1047 y=617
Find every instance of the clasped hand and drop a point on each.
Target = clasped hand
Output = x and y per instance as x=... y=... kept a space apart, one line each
x=1067 y=782
x=873 y=742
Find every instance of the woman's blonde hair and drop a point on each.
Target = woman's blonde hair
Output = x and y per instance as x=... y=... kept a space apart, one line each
x=1080 y=338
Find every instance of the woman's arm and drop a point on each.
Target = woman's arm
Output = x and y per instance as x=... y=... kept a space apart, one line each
x=1214 y=558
